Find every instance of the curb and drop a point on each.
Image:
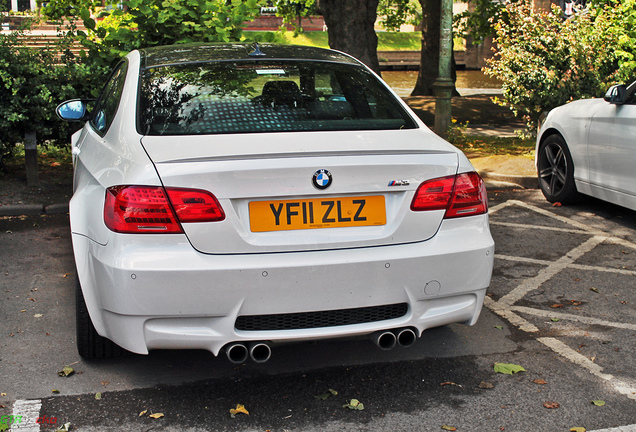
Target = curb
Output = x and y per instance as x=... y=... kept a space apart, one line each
x=526 y=182
x=33 y=209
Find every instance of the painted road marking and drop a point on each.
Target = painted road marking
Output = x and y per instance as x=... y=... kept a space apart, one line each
x=505 y=306
x=28 y=411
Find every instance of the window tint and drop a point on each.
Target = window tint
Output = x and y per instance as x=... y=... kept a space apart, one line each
x=252 y=97
x=106 y=106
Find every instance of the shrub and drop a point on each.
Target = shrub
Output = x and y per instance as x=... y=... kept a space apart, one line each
x=544 y=61
x=32 y=84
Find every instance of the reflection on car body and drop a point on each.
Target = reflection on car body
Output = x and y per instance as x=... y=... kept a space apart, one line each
x=228 y=201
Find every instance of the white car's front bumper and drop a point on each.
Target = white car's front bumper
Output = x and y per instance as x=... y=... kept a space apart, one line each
x=156 y=292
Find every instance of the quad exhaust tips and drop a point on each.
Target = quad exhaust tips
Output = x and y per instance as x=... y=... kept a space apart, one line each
x=388 y=339
x=238 y=353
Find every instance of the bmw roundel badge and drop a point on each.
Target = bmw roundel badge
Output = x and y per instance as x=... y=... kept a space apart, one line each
x=321 y=179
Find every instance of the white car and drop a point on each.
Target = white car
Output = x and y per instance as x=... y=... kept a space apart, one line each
x=231 y=197
x=587 y=147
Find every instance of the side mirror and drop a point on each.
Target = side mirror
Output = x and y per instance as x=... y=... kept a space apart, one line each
x=617 y=94
x=75 y=110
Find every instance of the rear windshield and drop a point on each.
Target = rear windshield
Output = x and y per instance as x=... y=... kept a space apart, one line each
x=257 y=96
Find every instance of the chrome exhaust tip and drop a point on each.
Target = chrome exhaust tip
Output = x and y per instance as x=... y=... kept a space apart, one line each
x=384 y=340
x=406 y=337
x=237 y=353
x=260 y=352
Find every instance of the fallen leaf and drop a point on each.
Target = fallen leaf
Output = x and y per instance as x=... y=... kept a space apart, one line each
x=556 y=306
x=551 y=405
x=577 y=429
x=576 y=303
x=98 y=396
x=37 y=315
x=4 y=427
x=354 y=404
x=55 y=391
x=105 y=383
x=508 y=368
x=498 y=327
x=557 y=204
x=326 y=395
x=540 y=381
x=55 y=164
x=65 y=428
x=485 y=385
x=598 y=403
x=595 y=290
x=239 y=409
x=67 y=371
x=143 y=413
x=448 y=428
x=451 y=384
x=156 y=415
x=555 y=319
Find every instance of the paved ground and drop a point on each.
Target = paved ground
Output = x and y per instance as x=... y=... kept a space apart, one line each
x=561 y=304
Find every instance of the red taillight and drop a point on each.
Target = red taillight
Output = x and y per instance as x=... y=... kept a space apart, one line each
x=147 y=209
x=460 y=195
x=194 y=205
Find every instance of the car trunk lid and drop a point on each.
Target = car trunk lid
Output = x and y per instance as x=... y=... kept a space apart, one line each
x=269 y=186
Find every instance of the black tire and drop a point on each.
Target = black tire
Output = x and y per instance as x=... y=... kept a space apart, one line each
x=555 y=170
x=90 y=344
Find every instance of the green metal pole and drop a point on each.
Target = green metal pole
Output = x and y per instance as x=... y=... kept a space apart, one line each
x=443 y=86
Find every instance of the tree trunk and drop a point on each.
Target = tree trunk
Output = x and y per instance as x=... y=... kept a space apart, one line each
x=429 y=60
x=350 y=28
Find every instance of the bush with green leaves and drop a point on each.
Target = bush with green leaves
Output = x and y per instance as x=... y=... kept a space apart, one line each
x=544 y=61
x=139 y=24
x=32 y=84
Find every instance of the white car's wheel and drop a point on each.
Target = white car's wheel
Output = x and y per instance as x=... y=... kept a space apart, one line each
x=556 y=171
x=90 y=344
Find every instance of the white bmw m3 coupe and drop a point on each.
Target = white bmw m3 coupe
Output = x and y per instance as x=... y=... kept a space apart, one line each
x=233 y=197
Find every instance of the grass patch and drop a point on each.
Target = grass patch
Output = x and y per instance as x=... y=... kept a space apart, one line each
x=487 y=146
x=387 y=41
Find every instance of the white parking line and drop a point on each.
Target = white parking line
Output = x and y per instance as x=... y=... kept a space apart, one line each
x=630 y=428
x=551 y=270
x=505 y=306
x=572 y=317
x=25 y=415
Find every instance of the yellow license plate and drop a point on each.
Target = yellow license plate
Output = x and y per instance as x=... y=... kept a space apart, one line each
x=317 y=213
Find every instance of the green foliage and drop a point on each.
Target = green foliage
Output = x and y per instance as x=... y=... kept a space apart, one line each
x=544 y=61
x=394 y=13
x=147 y=23
x=292 y=10
x=479 y=23
x=31 y=88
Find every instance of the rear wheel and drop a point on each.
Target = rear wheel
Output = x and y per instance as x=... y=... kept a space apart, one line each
x=556 y=171
x=90 y=344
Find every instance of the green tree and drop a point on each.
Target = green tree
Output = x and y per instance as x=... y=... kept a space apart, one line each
x=293 y=11
x=350 y=28
x=146 y=23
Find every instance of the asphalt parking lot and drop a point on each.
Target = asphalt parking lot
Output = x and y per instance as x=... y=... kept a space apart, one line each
x=561 y=305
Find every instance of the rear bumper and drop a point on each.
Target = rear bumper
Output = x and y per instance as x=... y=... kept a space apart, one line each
x=159 y=293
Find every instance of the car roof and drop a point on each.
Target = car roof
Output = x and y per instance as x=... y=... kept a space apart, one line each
x=203 y=53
